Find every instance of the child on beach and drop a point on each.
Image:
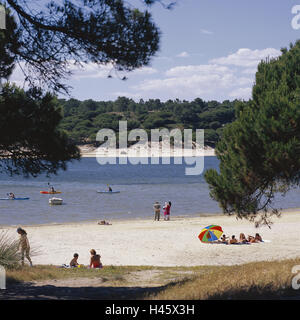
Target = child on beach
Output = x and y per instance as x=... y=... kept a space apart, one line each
x=74 y=262
x=95 y=260
x=24 y=245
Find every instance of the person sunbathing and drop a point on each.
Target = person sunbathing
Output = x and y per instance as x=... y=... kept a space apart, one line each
x=232 y=240
x=223 y=239
x=243 y=238
x=251 y=239
x=103 y=222
x=258 y=238
x=255 y=239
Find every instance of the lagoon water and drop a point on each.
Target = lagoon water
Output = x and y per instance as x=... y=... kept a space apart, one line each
x=139 y=186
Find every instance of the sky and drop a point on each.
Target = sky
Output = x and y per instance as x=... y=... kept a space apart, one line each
x=209 y=49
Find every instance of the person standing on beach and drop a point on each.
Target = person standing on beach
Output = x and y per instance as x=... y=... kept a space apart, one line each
x=24 y=245
x=156 y=207
x=167 y=209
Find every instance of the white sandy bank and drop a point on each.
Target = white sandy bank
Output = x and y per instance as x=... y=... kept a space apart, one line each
x=147 y=150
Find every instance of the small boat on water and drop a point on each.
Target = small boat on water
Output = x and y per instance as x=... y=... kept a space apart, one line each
x=50 y=192
x=25 y=198
x=55 y=201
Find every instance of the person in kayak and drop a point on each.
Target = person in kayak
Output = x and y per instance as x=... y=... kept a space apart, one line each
x=11 y=195
x=51 y=188
x=109 y=188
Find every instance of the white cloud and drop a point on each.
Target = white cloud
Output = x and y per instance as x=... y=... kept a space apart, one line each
x=227 y=77
x=189 y=82
x=92 y=70
x=183 y=54
x=251 y=71
x=204 y=31
x=196 y=69
x=246 y=57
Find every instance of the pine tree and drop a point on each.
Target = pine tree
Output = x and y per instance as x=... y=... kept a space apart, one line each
x=259 y=152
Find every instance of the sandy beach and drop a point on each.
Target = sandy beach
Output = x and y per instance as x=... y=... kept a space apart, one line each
x=156 y=150
x=163 y=243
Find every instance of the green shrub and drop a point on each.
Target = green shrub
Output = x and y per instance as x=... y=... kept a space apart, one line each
x=10 y=256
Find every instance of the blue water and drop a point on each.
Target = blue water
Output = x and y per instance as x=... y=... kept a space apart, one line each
x=140 y=186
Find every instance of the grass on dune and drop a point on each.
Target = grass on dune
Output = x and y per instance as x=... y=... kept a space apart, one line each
x=50 y=272
x=9 y=251
x=272 y=279
x=256 y=280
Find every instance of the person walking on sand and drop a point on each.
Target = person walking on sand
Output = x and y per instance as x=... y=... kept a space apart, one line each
x=24 y=245
x=156 y=208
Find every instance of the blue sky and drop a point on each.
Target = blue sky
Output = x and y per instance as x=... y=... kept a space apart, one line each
x=209 y=49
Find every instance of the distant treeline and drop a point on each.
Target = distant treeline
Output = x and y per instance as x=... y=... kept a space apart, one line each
x=82 y=119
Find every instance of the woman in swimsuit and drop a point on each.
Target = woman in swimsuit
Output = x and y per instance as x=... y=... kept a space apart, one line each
x=24 y=246
x=95 y=260
x=243 y=238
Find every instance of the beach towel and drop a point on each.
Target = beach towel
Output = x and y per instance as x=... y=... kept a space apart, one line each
x=66 y=266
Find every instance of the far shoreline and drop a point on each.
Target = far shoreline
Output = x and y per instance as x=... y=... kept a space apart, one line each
x=116 y=220
x=190 y=217
x=89 y=151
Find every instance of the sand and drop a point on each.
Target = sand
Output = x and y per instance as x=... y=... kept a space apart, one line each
x=163 y=243
x=158 y=150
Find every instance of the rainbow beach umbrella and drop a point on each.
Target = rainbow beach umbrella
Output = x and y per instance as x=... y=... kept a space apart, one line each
x=210 y=233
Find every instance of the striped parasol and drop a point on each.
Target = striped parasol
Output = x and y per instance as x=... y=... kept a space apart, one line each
x=210 y=233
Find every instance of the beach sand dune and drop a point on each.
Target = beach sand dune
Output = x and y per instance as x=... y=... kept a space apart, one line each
x=163 y=243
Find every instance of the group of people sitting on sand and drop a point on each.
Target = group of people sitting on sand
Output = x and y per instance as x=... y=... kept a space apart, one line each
x=243 y=240
x=95 y=261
